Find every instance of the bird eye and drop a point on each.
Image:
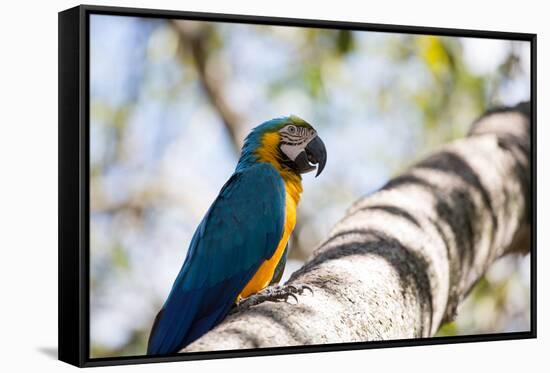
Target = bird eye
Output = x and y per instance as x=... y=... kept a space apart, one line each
x=291 y=129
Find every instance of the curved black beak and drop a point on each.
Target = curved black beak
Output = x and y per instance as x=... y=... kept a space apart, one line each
x=314 y=153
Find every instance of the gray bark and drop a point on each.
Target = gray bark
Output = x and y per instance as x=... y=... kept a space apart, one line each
x=402 y=259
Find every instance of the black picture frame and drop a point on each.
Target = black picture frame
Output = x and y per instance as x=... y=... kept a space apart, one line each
x=74 y=201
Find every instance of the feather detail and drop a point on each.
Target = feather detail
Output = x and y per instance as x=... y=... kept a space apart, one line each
x=240 y=231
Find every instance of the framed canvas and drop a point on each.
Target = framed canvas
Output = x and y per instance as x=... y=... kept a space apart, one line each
x=233 y=186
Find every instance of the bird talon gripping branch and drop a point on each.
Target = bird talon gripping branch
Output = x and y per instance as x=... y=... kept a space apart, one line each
x=240 y=246
x=274 y=294
x=299 y=289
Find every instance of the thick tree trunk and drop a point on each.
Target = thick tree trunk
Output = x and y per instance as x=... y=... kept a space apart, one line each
x=402 y=259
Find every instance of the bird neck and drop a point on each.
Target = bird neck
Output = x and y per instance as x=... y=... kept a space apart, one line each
x=265 y=148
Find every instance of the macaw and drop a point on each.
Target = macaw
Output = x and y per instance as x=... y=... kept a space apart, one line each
x=240 y=246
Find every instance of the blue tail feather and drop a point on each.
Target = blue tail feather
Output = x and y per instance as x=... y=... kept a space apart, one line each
x=192 y=313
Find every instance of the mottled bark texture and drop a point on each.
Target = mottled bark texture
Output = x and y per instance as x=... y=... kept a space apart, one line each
x=402 y=259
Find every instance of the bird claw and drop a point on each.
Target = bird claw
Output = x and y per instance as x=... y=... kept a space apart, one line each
x=274 y=294
x=299 y=289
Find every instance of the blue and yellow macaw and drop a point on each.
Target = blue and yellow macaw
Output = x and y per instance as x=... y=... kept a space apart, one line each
x=240 y=246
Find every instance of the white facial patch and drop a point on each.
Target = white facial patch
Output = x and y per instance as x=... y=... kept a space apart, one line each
x=295 y=139
x=292 y=151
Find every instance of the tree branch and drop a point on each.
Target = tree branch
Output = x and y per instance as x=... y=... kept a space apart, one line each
x=195 y=35
x=402 y=259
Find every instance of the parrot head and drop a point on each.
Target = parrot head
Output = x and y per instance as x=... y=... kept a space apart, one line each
x=287 y=143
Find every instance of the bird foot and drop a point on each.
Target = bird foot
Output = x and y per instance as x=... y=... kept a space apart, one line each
x=276 y=293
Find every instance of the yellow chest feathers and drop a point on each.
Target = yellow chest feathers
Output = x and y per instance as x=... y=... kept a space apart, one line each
x=293 y=188
x=268 y=152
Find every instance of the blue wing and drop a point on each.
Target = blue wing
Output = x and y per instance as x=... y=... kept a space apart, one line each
x=279 y=270
x=239 y=232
